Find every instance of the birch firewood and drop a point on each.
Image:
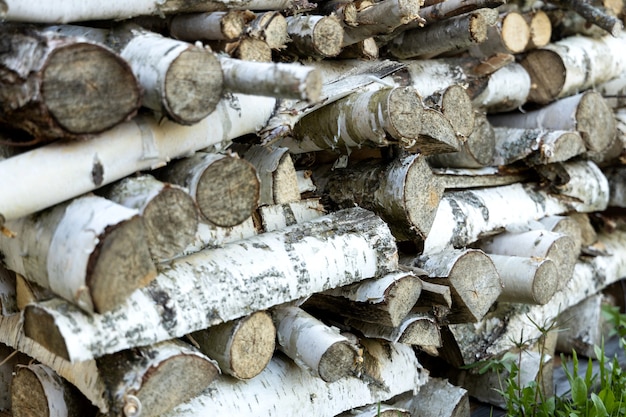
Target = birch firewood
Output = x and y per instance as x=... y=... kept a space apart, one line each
x=211 y=236
x=573 y=64
x=472 y=277
x=40 y=67
x=27 y=292
x=376 y=410
x=146 y=144
x=366 y=49
x=437 y=397
x=9 y=359
x=182 y=81
x=536 y=146
x=37 y=390
x=581 y=327
x=226 y=25
x=90 y=251
x=594 y=15
x=313 y=346
x=285 y=389
x=270 y=27
x=386 y=300
x=540 y=29
x=380 y=18
x=433 y=295
x=447 y=9
x=59 y=11
x=403 y=192
x=271 y=79
x=8 y=302
x=315 y=36
x=242 y=347
x=587 y=113
x=510 y=35
x=475 y=152
x=506 y=89
x=460 y=33
x=614 y=92
x=566 y=225
x=492 y=176
x=529 y=280
x=214 y=286
x=416 y=329
x=168 y=212
x=276 y=172
x=589 y=277
x=225 y=187
x=456 y=106
x=245 y=49
x=279 y=216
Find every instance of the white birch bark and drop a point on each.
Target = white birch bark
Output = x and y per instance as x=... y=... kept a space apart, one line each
x=529 y=280
x=60 y=11
x=279 y=216
x=217 y=285
x=69 y=169
x=465 y=216
x=285 y=389
x=566 y=225
x=617 y=189
x=507 y=89
x=478 y=341
x=8 y=303
x=226 y=25
x=279 y=80
x=491 y=176
x=437 y=397
x=614 y=91
x=315 y=347
x=90 y=251
x=168 y=211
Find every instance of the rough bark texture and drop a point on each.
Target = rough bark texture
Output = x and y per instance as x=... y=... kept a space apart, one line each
x=198 y=291
x=39 y=68
x=242 y=347
x=225 y=187
x=92 y=252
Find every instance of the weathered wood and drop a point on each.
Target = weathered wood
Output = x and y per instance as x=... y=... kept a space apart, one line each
x=225 y=187
x=9 y=359
x=38 y=70
x=476 y=150
x=403 y=192
x=27 y=292
x=594 y=15
x=279 y=216
x=366 y=49
x=376 y=410
x=169 y=213
x=242 y=347
x=345 y=10
x=211 y=236
x=152 y=380
x=314 y=346
x=246 y=48
x=276 y=172
x=416 y=329
x=573 y=64
x=270 y=27
x=460 y=178
x=285 y=389
x=146 y=144
x=529 y=280
x=510 y=35
x=434 y=295
x=588 y=235
x=333 y=250
x=37 y=391
x=271 y=79
x=90 y=251
x=437 y=397
x=472 y=277
x=315 y=36
x=8 y=302
x=566 y=225
x=226 y=25
x=581 y=327
x=465 y=216
x=536 y=146
x=617 y=190
x=460 y=33
x=386 y=300
x=456 y=106
x=447 y=9
x=614 y=92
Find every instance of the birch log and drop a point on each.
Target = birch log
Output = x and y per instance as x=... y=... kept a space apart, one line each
x=285 y=389
x=214 y=286
x=509 y=35
x=168 y=211
x=536 y=146
x=211 y=236
x=437 y=397
x=224 y=187
x=279 y=216
x=507 y=89
x=37 y=390
x=566 y=225
x=9 y=359
x=271 y=79
x=594 y=15
x=447 y=9
x=182 y=81
x=386 y=300
x=540 y=29
x=403 y=192
x=416 y=329
x=573 y=64
x=529 y=280
x=270 y=27
x=146 y=144
x=8 y=304
x=472 y=277
x=90 y=251
x=27 y=292
x=376 y=410
x=242 y=347
x=226 y=25
x=245 y=49
x=40 y=67
x=581 y=327
x=276 y=172
x=314 y=346
x=315 y=36
x=481 y=340
x=367 y=49
x=617 y=191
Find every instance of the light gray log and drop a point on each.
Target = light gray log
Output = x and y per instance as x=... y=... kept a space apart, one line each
x=491 y=176
x=226 y=25
x=270 y=27
x=528 y=280
x=279 y=216
x=510 y=34
x=437 y=398
x=315 y=36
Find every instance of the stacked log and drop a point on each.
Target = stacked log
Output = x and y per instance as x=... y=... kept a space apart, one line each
x=393 y=191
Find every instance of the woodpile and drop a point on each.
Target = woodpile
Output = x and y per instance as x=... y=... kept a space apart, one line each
x=277 y=207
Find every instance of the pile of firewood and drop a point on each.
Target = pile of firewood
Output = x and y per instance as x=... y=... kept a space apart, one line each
x=280 y=207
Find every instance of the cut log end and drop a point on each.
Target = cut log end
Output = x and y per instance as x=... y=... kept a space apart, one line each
x=595 y=122
x=547 y=74
x=41 y=326
x=74 y=98
x=422 y=195
x=195 y=70
x=228 y=192
x=436 y=134
x=478 y=29
x=28 y=397
x=328 y=37
x=120 y=264
x=171 y=221
x=544 y=285
x=252 y=346
x=337 y=362
x=456 y=105
x=403 y=106
x=540 y=29
x=515 y=32
x=285 y=182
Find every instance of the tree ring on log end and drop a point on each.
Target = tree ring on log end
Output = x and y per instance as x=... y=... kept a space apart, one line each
x=327 y=37
x=515 y=32
x=595 y=122
x=253 y=345
x=544 y=285
x=83 y=100
x=404 y=107
x=547 y=75
x=457 y=106
x=337 y=362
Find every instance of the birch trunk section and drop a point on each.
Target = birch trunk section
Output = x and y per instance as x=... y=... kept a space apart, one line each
x=581 y=327
x=218 y=285
x=438 y=397
x=146 y=144
x=315 y=36
x=285 y=389
x=91 y=251
x=227 y=25
x=526 y=280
